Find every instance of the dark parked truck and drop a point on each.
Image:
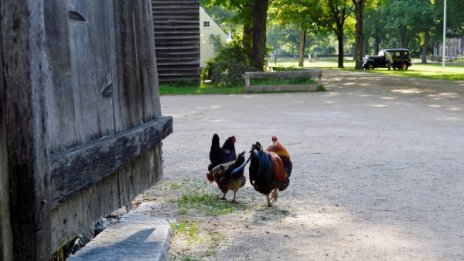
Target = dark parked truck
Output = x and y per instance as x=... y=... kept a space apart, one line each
x=401 y=59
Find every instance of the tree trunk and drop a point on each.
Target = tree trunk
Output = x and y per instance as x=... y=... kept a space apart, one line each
x=425 y=47
x=301 y=53
x=259 y=33
x=377 y=40
x=247 y=40
x=359 y=9
x=404 y=38
x=366 y=48
x=340 y=47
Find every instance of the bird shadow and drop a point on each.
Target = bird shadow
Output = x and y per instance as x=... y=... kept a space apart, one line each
x=266 y=215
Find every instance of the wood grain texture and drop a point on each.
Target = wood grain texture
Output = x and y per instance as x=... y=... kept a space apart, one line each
x=62 y=129
x=78 y=215
x=91 y=68
x=80 y=167
x=25 y=78
x=6 y=236
x=81 y=93
x=128 y=105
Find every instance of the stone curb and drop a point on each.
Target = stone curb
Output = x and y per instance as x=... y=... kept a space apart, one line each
x=137 y=236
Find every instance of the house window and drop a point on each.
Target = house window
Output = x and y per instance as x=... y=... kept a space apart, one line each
x=206 y=24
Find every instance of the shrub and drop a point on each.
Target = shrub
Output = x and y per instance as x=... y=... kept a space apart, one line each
x=230 y=63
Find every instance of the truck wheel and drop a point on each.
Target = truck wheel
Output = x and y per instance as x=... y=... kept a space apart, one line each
x=370 y=66
x=404 y=66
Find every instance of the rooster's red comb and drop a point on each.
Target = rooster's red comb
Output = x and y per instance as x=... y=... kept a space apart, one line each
x=274 y=138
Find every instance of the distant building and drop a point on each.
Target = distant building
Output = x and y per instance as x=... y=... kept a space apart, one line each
x=177 y=40
x=208 y=27
x=454 y=48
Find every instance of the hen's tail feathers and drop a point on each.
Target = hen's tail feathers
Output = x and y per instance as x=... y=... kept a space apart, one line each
x=239 y=169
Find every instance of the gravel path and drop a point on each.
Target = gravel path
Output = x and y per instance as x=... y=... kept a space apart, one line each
x=378 y=169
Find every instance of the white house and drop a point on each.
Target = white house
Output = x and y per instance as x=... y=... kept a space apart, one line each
x=454 y=47
x=208 y=27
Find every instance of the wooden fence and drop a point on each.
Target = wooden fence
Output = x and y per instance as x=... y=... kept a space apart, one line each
x=315 y=75
x=80 y=118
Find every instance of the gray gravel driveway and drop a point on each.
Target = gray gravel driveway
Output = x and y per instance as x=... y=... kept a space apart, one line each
x=378 y=166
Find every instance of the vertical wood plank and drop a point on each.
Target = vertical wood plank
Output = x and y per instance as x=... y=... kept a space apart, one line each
x=121 y=116
x=6 y=240
x=91 y=69
x=82 y=73
x=146 y=51
x=25 y=78
x=60 y=95
x=129 y=92
x=100 y=34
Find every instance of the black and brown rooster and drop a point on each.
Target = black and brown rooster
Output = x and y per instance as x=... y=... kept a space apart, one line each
x=268 y=171
x=229 y=176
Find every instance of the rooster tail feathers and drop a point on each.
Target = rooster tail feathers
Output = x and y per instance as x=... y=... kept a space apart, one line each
x=280 y=174
x=288 y=167
x=265 y=162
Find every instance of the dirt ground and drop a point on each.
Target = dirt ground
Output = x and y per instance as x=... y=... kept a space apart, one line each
x=378 y=172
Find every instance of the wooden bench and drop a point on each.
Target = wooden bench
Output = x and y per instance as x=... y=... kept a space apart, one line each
x=307 y=74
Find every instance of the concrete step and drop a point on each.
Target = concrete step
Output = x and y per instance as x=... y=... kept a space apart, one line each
x=137 y=236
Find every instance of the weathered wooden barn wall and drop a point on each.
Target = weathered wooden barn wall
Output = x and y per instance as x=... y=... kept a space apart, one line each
x=5 y=225
x=177 y=38
x=84 y=124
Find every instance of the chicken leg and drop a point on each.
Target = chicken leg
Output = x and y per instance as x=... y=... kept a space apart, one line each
x=268 y=201
x=274 y=196
x=233 y=199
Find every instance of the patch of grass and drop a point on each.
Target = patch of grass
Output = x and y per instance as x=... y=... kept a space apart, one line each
x=188 y=258
x=215 y=241
x=321 y=88
x=186 y=185
x=182 y=212
x=187 y=229
x=207 y=203
x=202 y=89
x=290 y=68
x=175 y=186
x=149 y=195
x=428 y=71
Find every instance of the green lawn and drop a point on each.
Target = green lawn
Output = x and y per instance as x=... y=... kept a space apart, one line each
x=430 y=71
x=451 y=71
